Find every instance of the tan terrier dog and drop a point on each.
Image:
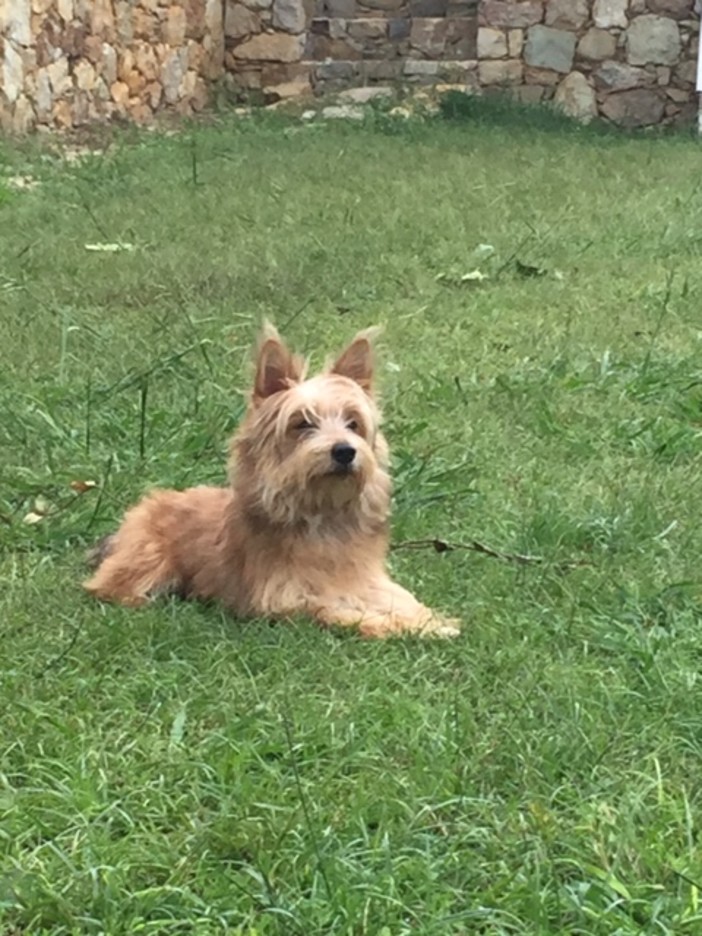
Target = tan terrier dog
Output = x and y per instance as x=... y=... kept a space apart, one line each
x=303 y=527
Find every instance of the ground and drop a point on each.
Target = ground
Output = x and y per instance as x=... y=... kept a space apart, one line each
x=173 y=770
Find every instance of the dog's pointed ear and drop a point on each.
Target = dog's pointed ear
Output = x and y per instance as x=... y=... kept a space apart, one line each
x=357 y=361
x=277 y=368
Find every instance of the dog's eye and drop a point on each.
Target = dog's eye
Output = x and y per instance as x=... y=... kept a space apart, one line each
x=303 y=425
x=352 y=425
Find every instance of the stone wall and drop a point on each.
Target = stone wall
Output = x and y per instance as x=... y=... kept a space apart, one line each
x=630 y=61
x=68 y=62
x=265 y=45
x=283 y=46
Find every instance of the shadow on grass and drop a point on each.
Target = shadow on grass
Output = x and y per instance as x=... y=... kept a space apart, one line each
x=502 y=110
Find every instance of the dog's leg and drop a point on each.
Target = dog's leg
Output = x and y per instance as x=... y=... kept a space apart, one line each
x=100 y=551
x=138 y=562
x=388 y=610
x=125 y=580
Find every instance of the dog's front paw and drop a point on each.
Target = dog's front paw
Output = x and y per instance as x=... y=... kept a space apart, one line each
x=442 y=627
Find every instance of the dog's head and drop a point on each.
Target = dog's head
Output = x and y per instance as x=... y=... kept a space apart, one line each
x=312 y=448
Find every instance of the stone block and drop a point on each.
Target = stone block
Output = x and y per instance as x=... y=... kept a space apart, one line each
x=365 y=95
x=399 y=29
x=109 y=63
x=59 y=77
x=576 y=97
x=62 y=116
x=101 y=92
x=337 y=28
x=465 y=70
x=686 y=72
x=492 y=43
x=428 y=7
x=145 y=60
x=279 y=73
x=136 y=83
x=44 y=98
x=102 y=20
x=174 y=26
x=653 y=39
x=175 y=66
x=331 y=70
x=147 y=26
x=597 y=45
x=567 y=14
x=637 y=108
x=271 y=47
x=195 y=18
x=541 y=76
x=618 y=76
x=93 y=49
x=500 y=73
x=319 y=48
x=387 y=70
x=428 y=36
x=347 y=9
x=528 y=94
x=124 y=24
x=550 y=48
x=505 y=14
x=119 y=93
x=140 y=112
x=610 y=13
x=15 y=22
x=240 y=21
x=420 y=67
x=72 y=40
x=382 y=4
x=125 y=63
x=84 y=75
x=214 y=21
x=515 y=42
x=29 y=63
x=461 y=38
x=289 y=15
x=12 y=73
x=368 y=29
x=46 y=44
x=679 y=95
x=237 y=78
x=462 y=8
x=677 y=9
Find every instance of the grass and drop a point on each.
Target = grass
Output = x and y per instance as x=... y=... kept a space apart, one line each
x=176 y=771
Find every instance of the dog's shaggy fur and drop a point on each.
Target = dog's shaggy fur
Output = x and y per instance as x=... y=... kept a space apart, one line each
x=303 y=526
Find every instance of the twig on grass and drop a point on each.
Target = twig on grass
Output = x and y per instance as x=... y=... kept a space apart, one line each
x=441 y=546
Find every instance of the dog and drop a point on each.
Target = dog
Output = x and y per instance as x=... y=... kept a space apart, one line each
x=302 y=528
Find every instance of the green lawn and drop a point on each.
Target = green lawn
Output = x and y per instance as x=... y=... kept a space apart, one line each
x=177 y=771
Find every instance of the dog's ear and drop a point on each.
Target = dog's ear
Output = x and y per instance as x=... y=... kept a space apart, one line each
x=358 y=360
x=277 y=368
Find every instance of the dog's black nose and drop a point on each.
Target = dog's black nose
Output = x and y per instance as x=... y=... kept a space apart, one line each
x=343 y=453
